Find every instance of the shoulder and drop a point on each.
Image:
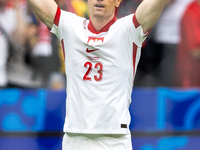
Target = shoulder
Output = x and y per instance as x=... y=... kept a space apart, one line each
x=127 y=17
x=63 y=18
x=130 y=19
x=69 y=17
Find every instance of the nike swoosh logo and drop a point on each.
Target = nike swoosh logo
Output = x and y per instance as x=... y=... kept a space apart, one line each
x=89 y=51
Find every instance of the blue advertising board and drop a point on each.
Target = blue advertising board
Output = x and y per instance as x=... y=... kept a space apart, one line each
x=161 y=119
x=165 y=109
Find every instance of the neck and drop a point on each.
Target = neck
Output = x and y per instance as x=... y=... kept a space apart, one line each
x=100 y=22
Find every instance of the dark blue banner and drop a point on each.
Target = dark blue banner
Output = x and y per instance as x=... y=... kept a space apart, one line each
x=160 y=119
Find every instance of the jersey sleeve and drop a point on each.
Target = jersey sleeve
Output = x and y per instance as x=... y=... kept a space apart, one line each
x=134 y=30
x=61 y=22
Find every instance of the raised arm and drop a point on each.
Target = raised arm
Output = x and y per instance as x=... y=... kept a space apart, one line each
x=45 y=10
x=148 y=13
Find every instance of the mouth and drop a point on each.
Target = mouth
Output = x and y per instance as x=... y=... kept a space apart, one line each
x=99 y=6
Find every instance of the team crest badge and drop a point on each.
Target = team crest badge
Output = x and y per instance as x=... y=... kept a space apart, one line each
x=95 y=41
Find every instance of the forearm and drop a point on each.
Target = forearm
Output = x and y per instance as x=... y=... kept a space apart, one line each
x=45 y=10
x=148 y=13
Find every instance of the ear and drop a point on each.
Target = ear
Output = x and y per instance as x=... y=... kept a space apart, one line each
x=118 y=3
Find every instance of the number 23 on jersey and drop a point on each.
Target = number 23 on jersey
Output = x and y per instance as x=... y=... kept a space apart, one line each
x=98 y=66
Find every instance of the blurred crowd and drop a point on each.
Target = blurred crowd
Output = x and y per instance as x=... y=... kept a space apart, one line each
x=31 y=57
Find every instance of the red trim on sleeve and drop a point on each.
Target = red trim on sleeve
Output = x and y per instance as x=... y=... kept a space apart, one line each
x=134 y=56
x=135 y=22
x=63 y=47
x=57 y=17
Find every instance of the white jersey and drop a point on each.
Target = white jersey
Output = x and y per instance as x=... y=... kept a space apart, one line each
x=100 y=69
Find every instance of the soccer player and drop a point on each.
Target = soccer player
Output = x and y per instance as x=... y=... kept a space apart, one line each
x=101 y=57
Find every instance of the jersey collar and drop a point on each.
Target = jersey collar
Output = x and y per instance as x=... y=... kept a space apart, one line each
x=104 y=29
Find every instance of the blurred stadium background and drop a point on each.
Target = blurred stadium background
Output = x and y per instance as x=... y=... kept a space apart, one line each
x=163 y=116
x=161 y=119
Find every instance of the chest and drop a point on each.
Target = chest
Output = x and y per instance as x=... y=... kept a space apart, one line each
x=98 y=56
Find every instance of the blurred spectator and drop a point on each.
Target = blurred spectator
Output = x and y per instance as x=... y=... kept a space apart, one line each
x=28 y=48
x=19 y=73
x=160 y=52
x=45 y=49
x=189 y=48
x=167 y=37
x=41 y=53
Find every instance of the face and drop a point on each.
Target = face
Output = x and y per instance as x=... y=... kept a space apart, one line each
x=103 y=8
